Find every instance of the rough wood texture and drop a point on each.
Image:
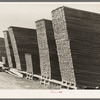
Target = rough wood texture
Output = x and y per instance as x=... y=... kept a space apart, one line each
x=63 y=45
x=3 y=50
x=29 y=65
x=43 y=49
x=24 y=41
x=9 y=51
x=83 y=33
x=46 y=41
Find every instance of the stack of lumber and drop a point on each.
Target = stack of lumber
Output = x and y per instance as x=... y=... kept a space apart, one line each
x=43 y=49
x=63 y=46
x=9 y=50
x=82 y=31
x=2 y=48
x=47 y=48
x=3 y=51
x=24 y=40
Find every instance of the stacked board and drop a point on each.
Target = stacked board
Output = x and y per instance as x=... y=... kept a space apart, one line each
x=9 y=50
x=24 y=41
x=3 y=51
x=28 y=59
x=63 y=46
x=43 y=49
x=47 y=48
x=80 y=32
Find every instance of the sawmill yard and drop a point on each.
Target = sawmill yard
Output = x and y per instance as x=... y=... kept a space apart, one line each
x=9 y=81
x=62 y=53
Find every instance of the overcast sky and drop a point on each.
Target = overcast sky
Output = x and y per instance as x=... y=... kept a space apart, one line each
x=25 y=14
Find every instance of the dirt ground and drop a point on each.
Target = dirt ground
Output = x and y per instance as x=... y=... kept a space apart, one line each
x=8 y=81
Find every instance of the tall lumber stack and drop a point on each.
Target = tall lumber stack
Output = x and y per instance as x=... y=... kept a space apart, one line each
x=47 y=49
x=2 y=50
x=77 y=35
x=43 y=49
x=9 y=50
x=63 y=46
x=24 y=41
